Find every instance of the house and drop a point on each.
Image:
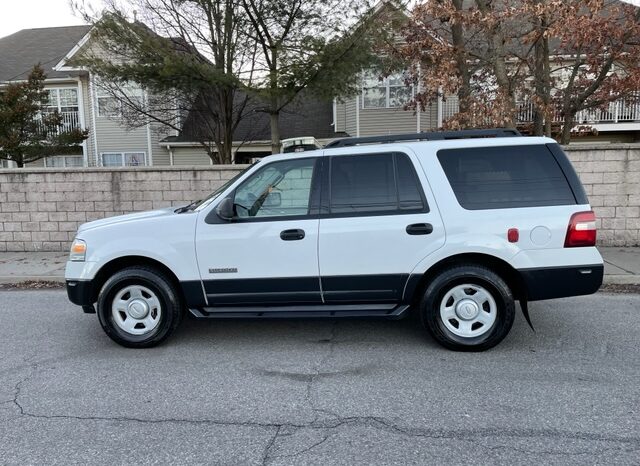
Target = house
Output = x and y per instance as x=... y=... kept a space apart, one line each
x=74 y=93
x=305 y=116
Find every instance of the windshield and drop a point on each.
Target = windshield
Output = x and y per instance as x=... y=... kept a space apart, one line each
x=214 y=195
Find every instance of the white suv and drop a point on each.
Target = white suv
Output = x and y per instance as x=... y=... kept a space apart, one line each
x=454 y=226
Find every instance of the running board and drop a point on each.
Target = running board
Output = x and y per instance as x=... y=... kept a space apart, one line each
x=389 y=311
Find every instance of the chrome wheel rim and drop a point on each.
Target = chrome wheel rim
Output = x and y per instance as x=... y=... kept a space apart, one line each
x=136 y=310
x=468 y=310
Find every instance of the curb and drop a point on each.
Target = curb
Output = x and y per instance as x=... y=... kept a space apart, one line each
x=621 y=280
x=11 y=279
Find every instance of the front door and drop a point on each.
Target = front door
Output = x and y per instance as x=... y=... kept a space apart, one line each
x=268 y=254
x=376 y=225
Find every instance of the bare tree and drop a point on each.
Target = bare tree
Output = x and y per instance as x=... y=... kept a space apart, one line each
x=191 y=58
x=315 y=45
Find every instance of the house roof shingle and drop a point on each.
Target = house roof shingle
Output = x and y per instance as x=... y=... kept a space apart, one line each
x=19 y=52
x=305 y=116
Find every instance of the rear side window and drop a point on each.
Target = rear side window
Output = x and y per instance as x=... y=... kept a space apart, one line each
x=505 y=177
x=376 y=183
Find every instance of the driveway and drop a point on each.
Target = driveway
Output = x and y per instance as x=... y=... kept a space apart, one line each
x=320 y=392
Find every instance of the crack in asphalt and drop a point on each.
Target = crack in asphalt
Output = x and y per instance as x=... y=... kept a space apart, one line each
x=266 y=456
x=472 y=435
x=336 y=422
x=309 y=394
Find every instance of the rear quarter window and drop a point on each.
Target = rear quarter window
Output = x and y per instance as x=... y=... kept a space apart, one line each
x=505 y=177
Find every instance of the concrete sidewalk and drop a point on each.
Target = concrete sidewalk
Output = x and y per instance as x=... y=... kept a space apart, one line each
x=622 y=266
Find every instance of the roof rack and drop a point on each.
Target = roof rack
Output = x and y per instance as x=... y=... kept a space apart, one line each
x=428 y=136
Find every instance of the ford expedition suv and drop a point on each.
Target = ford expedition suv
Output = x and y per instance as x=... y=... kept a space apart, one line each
x=454 y=226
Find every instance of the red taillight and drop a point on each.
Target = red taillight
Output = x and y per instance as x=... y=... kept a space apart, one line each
x=581 y=231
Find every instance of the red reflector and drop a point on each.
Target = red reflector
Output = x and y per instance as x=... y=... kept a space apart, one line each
x=513 y=235
x=581 y=231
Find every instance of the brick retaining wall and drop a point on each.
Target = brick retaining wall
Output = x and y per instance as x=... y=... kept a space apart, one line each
x=40 y=209
x=611 y=177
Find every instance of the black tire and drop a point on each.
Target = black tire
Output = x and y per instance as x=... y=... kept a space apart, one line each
x=160 y=285
x=467 y=274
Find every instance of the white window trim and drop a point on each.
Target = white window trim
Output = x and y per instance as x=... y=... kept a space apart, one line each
x=384 y=83
x=58 y=89
x=122 y=158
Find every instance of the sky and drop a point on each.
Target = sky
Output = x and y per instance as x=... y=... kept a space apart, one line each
x=25 y=14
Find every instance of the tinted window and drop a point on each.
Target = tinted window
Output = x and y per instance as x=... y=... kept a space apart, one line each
x=278 y=189
x=505 y=177
x=409 y=192
x=376 y=183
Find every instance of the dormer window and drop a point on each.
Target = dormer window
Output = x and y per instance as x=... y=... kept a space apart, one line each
x=389 y=92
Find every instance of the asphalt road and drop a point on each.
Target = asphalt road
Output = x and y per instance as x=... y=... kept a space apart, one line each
x=320 y=392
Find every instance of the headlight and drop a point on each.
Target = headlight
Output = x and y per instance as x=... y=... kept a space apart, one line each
x=78 y=251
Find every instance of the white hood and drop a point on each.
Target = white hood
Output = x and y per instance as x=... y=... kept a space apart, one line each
x=127 y=218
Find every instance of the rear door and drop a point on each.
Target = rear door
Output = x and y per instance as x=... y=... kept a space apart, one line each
x=377 y=222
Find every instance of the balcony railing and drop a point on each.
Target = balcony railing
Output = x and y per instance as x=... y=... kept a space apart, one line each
x=619 y=111
x=69 y=120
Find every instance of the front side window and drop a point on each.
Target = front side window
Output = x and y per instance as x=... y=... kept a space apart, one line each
x=374 y=184
x=123 y=159
x=389 y=92
x=279 y=189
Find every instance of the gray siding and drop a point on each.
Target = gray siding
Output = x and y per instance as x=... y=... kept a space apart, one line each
x=88 y=121
x=350 y=116
x=190 y=156
x=341 y=116
x=429 y=118
x=380 y=121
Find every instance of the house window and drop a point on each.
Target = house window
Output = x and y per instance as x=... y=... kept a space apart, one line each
x=64 y=161
x=111 y=105
x=4 y=163
x=65 y=102
x=390 y=92
x=123 y=159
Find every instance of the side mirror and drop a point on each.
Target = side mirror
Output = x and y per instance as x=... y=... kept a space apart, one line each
x=274 y=199
x=225 y=209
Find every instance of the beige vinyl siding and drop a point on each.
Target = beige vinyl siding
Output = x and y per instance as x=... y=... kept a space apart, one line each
x=350 y=116
x=88 y=122
x=429 y=118
x=341 y=116
x=36 y=164
x=381 y=121
x=188 y=156
x=160 y=153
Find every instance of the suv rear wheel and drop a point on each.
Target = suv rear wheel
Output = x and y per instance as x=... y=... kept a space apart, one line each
x=468 y=308
x=138 y=307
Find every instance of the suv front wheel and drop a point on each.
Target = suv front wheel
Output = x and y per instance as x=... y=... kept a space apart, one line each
x=468 y=308
x=139 y=307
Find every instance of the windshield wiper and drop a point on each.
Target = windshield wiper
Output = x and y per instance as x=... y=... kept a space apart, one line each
x=187 y=208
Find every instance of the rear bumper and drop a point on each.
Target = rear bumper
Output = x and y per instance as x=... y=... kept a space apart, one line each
x=562 y=282
x=80 y=292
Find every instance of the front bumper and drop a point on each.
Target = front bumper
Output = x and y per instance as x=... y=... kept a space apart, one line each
x=562 y=282
x=81 y=292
